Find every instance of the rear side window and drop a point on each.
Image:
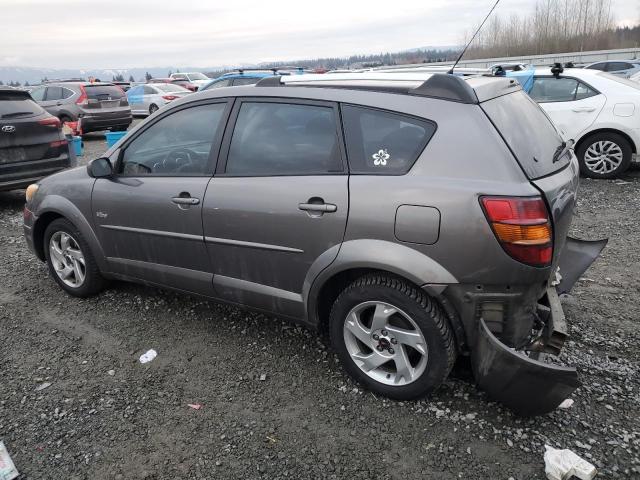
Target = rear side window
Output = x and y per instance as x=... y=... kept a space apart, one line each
x=284 y=139
x=38 y=93
x=529 y=133
x=221 y=83
x=16 y=106
x=244 y=81
x=54 y=93
x=103 y=92
x=551 y=89
x=383 y=143
x=617 y=66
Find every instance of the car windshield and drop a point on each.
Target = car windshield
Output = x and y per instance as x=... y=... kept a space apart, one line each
x=168 y=87
x=198 y=76
x=624 y=81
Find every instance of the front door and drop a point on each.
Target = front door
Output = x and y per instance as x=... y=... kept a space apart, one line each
x=278 y=204
x=149 y=214
x=571 y=104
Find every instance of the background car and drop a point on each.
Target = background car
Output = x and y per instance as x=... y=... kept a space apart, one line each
x=183 y=83
x=248 y=77
x=196 y=78
x=146 y=99
x=99 y=105
x=623 y=68
x=123 y=85
x=32 y=145
x=599 y=111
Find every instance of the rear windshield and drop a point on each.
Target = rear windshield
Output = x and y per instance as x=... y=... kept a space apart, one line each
x=529 y=133
x=103 y=92
x=18 y=105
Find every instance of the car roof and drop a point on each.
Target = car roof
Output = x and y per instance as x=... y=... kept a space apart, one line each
x=571 y=72
x=634 y=61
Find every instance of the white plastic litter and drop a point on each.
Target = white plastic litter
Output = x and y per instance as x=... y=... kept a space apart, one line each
x=148 y=356
x=563 y=464
x=8 y=470
x=568 y=403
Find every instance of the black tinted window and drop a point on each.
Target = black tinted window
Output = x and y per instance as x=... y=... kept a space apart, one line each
x=383 y=143
x=284 y=139
x=54 y=93
x=597 y=66
x=18 y=105
x=103 y=92
x=245 y=81
x=178 y=144
x=617 y=66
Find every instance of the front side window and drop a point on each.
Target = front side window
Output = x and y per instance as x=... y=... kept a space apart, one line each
x=384 y=143
x=284 y=139
x=221 y=83
x=177 y=145
x=38 y=94
x=597 y=66
x=617 y=66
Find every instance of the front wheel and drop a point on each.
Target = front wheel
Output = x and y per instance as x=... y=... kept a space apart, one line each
x=70 y=260
x=604 y=155
x=392 y=337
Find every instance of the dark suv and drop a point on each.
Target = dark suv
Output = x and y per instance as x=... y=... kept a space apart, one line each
x=410 y=220
x=100 y=106
x=32 y=145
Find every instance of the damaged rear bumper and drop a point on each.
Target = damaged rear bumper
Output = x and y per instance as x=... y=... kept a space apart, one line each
x=526 y=385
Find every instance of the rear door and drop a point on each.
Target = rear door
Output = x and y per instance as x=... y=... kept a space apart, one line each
x=278 y=202
x=570 y=103
x=149 y=214
x=53 y=100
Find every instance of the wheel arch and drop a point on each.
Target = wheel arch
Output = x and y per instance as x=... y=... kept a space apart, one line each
x=54 y=207
x=361 y=257
x=634 y=147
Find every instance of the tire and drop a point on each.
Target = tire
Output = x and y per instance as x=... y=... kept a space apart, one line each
x=65 y=118
x=153 y=108
x=604 y=155
x=408 y=314
x=89 y=281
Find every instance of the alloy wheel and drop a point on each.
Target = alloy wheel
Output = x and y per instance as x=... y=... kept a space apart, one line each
x=67 y=259
x=385 y=343
x=603 y=157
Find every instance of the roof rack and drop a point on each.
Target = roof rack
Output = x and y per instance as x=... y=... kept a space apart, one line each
x=435 y=85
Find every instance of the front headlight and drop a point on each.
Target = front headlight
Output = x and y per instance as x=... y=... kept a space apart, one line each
x=31 y=191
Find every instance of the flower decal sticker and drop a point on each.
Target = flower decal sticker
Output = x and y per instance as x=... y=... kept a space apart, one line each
x=380 y=158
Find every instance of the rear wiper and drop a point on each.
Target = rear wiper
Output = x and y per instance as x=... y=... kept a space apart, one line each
x=16 y=114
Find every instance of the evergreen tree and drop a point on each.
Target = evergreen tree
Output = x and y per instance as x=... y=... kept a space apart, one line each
x=131 y=79
x=147 y=76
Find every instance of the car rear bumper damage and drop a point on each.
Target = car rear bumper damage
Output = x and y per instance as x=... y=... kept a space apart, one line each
x=527 y=385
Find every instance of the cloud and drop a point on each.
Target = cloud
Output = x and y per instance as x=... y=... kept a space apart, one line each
x=119 y=33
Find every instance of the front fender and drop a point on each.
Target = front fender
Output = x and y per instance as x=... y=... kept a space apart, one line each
x=396 y=258
x=65 y=208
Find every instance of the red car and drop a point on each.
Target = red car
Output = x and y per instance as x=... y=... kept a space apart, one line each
x=183 y=83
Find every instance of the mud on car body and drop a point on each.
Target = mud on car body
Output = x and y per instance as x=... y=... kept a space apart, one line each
x=410 y=219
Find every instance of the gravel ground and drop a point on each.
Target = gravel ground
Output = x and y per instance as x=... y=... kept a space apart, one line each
x=75 y=403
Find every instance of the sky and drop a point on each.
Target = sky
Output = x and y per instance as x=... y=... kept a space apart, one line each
x=207 y=33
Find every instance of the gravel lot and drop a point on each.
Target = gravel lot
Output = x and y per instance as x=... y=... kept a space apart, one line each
x=275 y=402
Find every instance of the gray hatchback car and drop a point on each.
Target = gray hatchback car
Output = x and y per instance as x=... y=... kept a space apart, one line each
x=412 y=221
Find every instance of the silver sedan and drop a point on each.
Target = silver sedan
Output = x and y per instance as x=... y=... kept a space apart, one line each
x=146 y=99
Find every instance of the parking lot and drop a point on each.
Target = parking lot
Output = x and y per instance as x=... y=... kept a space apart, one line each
x=275 y=402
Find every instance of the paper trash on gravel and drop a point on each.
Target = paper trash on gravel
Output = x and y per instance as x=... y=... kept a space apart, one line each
x=148 y=356
x=8 y=470
x=563 y=464
x=195 y=406
x=568 y=403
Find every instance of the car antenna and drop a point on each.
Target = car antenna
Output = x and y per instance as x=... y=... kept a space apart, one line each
x=474 y=36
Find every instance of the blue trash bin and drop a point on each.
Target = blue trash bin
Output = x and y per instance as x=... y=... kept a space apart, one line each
x=113 y=137
x=78 y=146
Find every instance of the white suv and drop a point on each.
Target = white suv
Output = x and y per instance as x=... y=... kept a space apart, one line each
x=601 y=112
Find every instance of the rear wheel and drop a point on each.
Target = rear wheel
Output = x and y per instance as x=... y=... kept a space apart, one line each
x=392 y=337
x=604 y=155
x=65 y=118
x=153 y=108
x=70 y=260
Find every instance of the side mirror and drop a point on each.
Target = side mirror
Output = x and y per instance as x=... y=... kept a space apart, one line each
x=100 y=168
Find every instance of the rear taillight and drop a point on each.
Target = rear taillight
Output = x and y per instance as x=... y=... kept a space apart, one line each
x=82 y=99
x=522 y=226
x=53 y=122
x=169 y=97
x=58 y=143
